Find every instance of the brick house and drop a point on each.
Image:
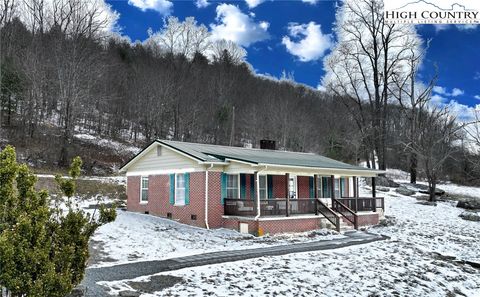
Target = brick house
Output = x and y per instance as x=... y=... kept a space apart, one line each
x=252 y=190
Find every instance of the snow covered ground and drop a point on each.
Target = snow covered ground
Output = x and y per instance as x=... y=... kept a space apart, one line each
x=120 y=180
x=114 y=145
x=418 y=260
x=139 y=237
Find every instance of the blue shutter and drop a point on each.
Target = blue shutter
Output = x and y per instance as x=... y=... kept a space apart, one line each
x=243 y=184
x=187 y=188
x=312 y=190
x=326 y=187
x=172 y=189
x=252 y=186
x=224 y=187
x=270 y=186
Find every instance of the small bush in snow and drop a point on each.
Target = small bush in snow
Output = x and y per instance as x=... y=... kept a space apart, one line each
x=43 y=252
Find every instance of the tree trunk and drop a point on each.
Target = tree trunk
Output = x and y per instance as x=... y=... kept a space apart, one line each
x=413 y=168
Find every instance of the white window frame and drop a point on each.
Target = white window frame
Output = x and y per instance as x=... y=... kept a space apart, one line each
x=238 y=185
x=142 y=188
x=179 y=202
x=260 y=187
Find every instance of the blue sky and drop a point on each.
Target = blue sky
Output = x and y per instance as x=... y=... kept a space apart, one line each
x=277 y=28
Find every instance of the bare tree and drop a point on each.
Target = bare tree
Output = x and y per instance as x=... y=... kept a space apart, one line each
x=438 y=131
x=414 y=98
x=360 y=67
x=221 y=48
x=182 y=38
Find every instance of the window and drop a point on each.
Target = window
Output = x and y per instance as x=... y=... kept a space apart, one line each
x=180 y=189
x=337 y=188
x=232 y=186
x=144 y=190
x=319 y=187
x=326 y=187
x=262 y=189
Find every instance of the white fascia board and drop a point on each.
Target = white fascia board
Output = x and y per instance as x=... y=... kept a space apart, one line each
x=319 y=170
x=160 y=172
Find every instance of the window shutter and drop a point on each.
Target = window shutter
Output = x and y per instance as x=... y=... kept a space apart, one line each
x=172 y=189
x=243 y=182
x=187 y=188
x=224 y=187
x=252 y=186
x=270 y=186
x=325 y=185
x=312 y=190
x=342 y=187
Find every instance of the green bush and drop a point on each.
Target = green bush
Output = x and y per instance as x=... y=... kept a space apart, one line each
x=43 y=252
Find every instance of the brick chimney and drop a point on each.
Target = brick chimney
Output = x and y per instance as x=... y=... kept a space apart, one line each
x=266 y=144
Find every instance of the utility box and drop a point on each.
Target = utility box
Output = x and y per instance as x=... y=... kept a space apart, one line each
x=243 y=228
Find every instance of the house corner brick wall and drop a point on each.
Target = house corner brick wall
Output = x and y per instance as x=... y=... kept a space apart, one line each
x=159 y=198
x=215 y=206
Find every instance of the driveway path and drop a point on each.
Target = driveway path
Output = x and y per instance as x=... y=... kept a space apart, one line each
x=137 y=269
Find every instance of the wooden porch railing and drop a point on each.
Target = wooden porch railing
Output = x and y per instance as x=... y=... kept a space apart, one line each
x=328 y=213
x=346 y=212
x=363 y=204
x=268 y=207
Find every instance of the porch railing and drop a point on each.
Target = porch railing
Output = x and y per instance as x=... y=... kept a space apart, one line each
x=346 y=212
x=268 y=207
x=363 y=204
x=328 y=213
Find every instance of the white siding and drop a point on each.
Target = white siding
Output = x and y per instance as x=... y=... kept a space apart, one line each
x=169 y=160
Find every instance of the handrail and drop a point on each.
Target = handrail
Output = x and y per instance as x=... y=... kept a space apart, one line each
x=346 y=212
x=328 y=213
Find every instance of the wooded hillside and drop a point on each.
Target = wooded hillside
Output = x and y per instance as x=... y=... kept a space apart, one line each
x=62 y=77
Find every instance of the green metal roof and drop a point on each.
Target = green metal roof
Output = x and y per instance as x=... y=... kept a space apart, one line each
x=218 y=153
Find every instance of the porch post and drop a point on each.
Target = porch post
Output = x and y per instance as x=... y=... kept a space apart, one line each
x=287 y=191
x=315 y=188
x=332 y=180
x=355 y=192
x=374 y=194
x=257 y=192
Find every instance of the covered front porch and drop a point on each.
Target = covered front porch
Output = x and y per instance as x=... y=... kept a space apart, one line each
x=271 y=195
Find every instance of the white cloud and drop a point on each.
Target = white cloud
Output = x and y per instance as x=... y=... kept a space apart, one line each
x=443 y=91
x=312 y=43
x=477 y=75
x=477 y=97
x=254 y=3
x=439 y=90
x=465 y=27
x=202 y=3
x=437 y=99
x=164 y=7
x=313 y=2
x=238 y=27
x=441 y=27
x=457 y=92
x=464 y=113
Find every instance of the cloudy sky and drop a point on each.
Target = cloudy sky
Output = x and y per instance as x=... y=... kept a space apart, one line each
x=294 y=37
